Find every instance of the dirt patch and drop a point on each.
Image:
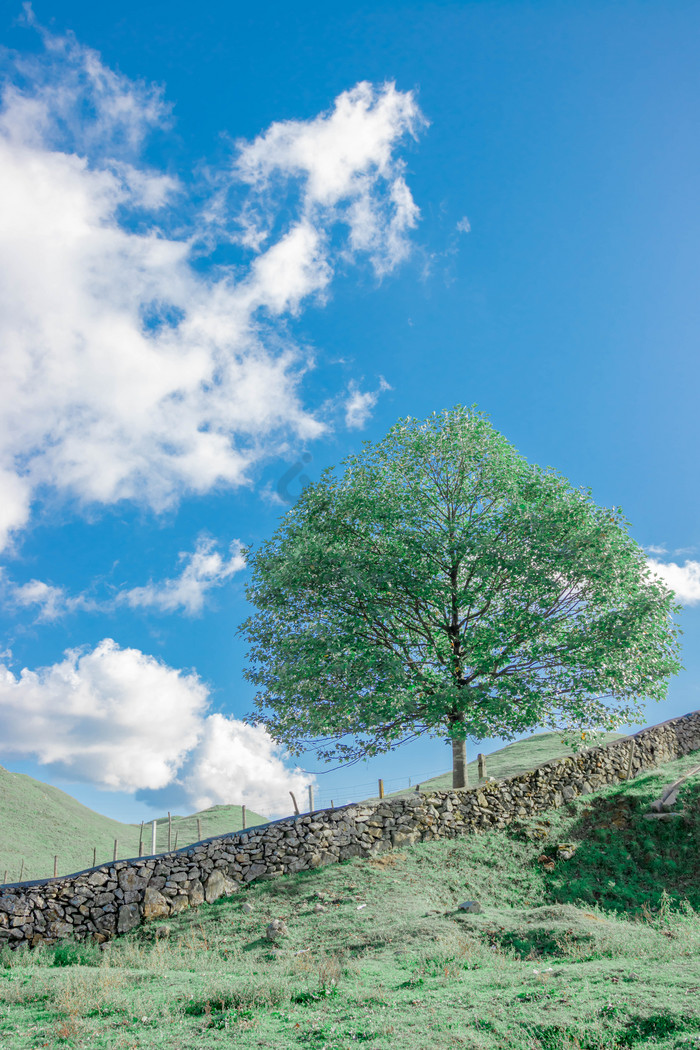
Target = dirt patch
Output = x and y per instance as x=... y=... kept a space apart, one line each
x=387 y=860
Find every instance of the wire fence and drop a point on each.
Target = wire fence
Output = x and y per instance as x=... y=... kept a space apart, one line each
x=359 y=792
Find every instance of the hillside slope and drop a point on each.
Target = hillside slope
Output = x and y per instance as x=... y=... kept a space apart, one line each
x=508 y=761
x=587 y=938
x=38 y=821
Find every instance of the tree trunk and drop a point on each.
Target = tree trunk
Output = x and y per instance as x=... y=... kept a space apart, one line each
x=459 y=764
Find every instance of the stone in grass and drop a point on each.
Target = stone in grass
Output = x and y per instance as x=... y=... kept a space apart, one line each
x=247 y=908
x=277 y=928
x=470 y=906
x=566 y=850
x=162 y=932
x=318 y=908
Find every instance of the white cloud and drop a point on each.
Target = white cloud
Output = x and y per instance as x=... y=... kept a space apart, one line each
x=53 y=602
x=238 y=762
x=683 y=579
x=124 y=721
x=344 y=159
x=203 y=569
x=464 y=225
x=358 y=406
x=129 y=373
x=114 y=717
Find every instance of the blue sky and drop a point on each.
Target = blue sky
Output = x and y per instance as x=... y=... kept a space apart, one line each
x=240 y=242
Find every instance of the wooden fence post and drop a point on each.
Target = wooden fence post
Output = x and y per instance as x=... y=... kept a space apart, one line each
x=115 y=849
x=481 y=759
x=199 y=829
x=141 y=840
x=296 y=808
x=332 y=806
x=55 y=866
x=629 y=761
x=170 y=828
x=381 y=789
x=21 y=870
x=243 y=817
x=153 y=838
x=175 y=846
x=4 y=878
x=94 y=856
x=311 y=799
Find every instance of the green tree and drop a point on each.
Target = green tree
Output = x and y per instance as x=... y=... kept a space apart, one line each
x=447 y=587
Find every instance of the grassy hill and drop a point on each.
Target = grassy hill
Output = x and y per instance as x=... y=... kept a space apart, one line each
x=508 y=761
x=38 y=821
x=596 y=952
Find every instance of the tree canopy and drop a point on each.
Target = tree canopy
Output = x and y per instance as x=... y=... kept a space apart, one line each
x=447 y=587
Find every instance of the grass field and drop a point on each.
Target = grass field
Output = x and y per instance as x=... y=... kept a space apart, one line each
x=598 y=952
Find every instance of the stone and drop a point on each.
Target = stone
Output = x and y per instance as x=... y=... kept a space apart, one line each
x=404 y=838
x=60 y=930
x=162 y=933
x=566 y=850
x=98 y=878
x=277 y=928
x=106 y=922
x=179 y=903
x=195 y=893
x=155 y=905
x=254 y=872
x=473 y=907
x=129 y=917
x=111 y=895
x=318 y=908
x=130 y=880
x=219 y=885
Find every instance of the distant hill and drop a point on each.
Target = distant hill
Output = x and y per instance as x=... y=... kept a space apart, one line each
x=38 y=821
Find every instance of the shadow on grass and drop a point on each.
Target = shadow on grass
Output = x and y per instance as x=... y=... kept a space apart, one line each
x=636 y=1032
x=623 y=862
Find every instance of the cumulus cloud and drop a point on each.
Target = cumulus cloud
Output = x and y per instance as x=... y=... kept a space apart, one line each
x=683 y=579
x=115 y=717
x=124 y=721
x=235 y=761
x=129 y=372
x=203 y=569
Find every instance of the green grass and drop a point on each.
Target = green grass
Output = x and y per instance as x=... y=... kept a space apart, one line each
x=602 y=952
x=47 y=821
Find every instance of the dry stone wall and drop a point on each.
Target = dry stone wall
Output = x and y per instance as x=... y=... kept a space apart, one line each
x=102 y=902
